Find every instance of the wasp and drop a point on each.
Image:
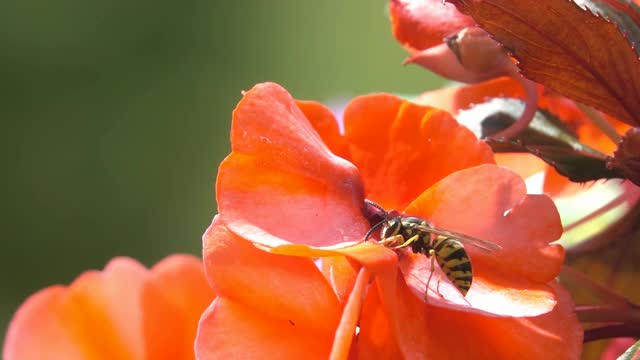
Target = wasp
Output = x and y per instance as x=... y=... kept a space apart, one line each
x=444 y=246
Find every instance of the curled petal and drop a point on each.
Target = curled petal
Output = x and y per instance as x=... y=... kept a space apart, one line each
x=277 y=286
x=420 y=24
x=278 y=159
x=377 y=258
x=117 y=314
x=402 y=148
x=231 y=330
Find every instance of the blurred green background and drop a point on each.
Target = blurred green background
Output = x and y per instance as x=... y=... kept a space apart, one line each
x=116 y=114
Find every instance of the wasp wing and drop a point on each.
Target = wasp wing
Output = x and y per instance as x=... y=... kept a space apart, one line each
x=465 y=239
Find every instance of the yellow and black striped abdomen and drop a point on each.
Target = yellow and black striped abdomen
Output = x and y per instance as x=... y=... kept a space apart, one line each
x=454 y=262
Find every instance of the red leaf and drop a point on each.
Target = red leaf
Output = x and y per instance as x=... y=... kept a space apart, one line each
x=569 y=49
x=626 y=158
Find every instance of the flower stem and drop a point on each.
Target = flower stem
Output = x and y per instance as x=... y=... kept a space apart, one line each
x=350 y=316
x=600 y=122
x=620 y=199
x=530 y=108
x=614 y=299
x=619 y=318
x=628 y=314
x=611 y=331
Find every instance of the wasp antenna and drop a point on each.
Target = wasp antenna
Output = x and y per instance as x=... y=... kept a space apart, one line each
x=366 y=236
x=369 y=202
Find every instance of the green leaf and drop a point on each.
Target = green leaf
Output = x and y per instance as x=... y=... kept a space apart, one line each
x=546 y=137
x=632 y=353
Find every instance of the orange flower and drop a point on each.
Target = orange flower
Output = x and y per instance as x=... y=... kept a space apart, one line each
x=292 y=190
x=122 y=312
x=456 y=99
x=616 y=200
x=419 y=27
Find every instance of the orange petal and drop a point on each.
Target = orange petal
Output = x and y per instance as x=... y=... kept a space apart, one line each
x=408 y=317
x=370 y=254
x=555 y=335
x=376 y=339
x=36 y=331
x=346 y=330
x=341 y=273
x=454 y=99
x=325 y=123
x=231 y=330
x=276 y=286
x=557 y=185
x=381 y=261
x=402 y=148
x=281 y=184
x=592 y=136
x=107 y=315
x=420 y=24
x=170 y=331
x=489 y=295
x=439 y=333
x=490 y=203
x=525 y=165
x=91 y=318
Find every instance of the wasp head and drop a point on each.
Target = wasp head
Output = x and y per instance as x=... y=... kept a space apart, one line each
x=391 y=222
x=391 y=227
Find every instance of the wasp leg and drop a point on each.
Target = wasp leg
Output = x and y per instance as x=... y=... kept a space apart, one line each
x=431 y=257
x=407 y=243
x=391 y=241
x=438 y=286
